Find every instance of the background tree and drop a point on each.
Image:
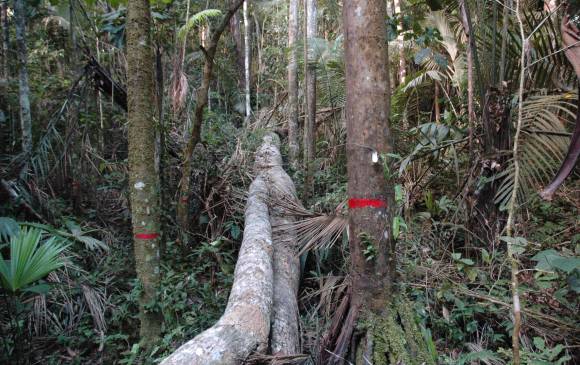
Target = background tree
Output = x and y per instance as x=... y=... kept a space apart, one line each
x=23 y=86
x=309 y=142
x=293 y=129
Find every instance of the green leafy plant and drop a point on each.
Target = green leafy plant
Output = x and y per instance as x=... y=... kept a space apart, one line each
x=29 y=259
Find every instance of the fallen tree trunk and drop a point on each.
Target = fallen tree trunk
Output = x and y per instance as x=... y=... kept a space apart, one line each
x=284 y=337
x=263 y=297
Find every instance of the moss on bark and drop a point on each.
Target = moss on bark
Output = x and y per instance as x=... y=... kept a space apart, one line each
x=143 y=179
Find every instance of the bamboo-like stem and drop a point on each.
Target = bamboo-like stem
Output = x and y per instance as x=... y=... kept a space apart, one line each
x=512 y=203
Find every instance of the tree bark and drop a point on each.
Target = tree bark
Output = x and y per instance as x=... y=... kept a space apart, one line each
x=247 y=54
x=245 y=324
x=262 y=303
x=401 y=43
x=5 y=37
x=469 y=53
x=201 y=103
x=23 y=86
x=293 y=129
x=310 y=84
x=285 y=334
x=504 y=40
x=143 y=179
x=368 y=139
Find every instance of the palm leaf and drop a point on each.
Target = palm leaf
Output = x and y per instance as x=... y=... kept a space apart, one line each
x=543 y=144
x=29 y=260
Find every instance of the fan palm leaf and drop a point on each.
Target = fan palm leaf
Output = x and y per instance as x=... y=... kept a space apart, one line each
x=29 y=259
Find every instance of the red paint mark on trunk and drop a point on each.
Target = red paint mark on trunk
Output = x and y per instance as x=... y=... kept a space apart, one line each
x=366 y=203
x=147 y=236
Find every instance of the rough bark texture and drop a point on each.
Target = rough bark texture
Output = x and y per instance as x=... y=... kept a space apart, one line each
x=263 y=298
x=310 y=124
x=402 y=73
x=469 y=55
x=23 y=86
x=245 y=325
x=368 y=135
x=293 y=130
x=247 y=54
x=284 y=337
x=143 y=180
x=5 y=37
x=201 y=103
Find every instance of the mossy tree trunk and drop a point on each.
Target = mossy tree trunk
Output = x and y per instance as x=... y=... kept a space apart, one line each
x=143 y=179
x=23 y=86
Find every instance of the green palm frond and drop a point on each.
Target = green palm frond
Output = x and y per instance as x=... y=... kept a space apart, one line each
x=203 y=17
x=422 y=77
x=8 y=228
x=29 y=259
x=544 y=142
x=549 y=67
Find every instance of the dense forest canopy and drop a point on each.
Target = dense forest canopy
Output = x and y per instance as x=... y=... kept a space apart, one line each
x=289 y=182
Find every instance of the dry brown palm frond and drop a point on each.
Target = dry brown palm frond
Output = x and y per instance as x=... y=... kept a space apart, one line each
x=179 y=84
x=330 y=291
x=314 y=230
x=96 y=302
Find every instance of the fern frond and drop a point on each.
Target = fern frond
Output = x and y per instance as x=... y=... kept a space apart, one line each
x=203 y=17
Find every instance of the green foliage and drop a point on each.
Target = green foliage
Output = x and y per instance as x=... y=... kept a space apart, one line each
x=196 y=20
x=30 y=260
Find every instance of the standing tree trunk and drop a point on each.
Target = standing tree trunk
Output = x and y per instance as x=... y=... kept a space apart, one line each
x=293 y=129
x=5 y=37
x=401 y=43
x=143 y=179
x=237 y=36
x=310 y=124
x=504 y=39
x=202 y=98
x=368 y=141
x=469 y=52
x=247 y=53
x=23 y=87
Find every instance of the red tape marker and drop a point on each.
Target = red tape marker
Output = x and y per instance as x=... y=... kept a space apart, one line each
x=147 y=236
x=366 y=203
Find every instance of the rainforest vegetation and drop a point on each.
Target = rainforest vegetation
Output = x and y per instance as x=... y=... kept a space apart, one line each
x=359 y=182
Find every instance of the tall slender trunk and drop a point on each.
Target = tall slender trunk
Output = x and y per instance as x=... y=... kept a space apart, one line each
x=401 y=43
x=23 y=87
x=469 y=53
x=436 y=100
x=504 y=40
x=293 y=129
x=247 y=53
x=310 y=14
x=238 y=41
x=143 y=179
x=202 y=98
x=5 y=37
